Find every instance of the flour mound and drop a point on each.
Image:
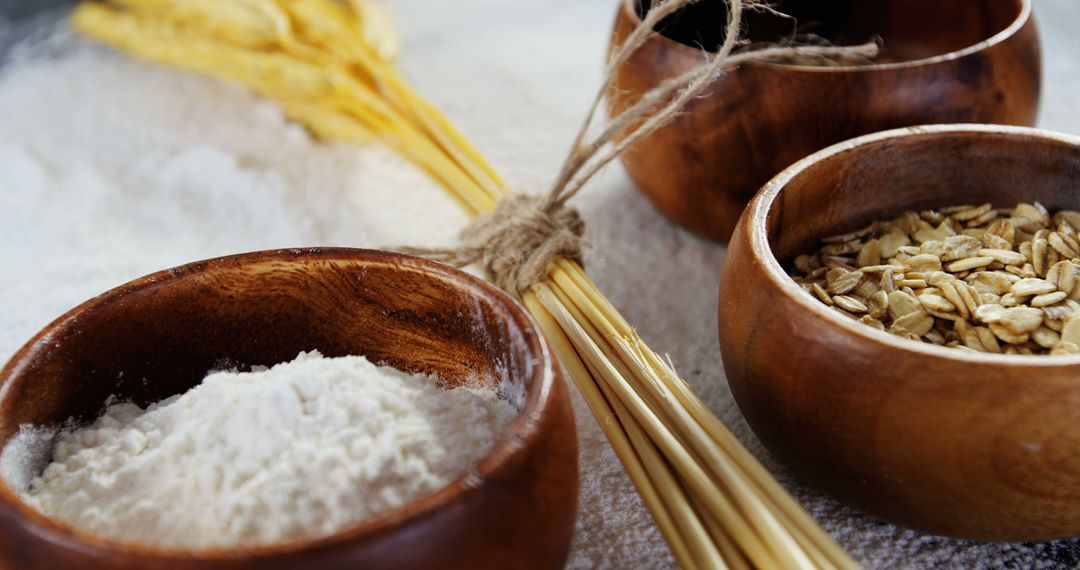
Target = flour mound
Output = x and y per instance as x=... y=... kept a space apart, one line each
x=298 y=450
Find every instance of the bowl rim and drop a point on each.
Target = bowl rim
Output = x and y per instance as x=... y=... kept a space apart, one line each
x=509 y=447
x=755 y=218
x=1022 y=18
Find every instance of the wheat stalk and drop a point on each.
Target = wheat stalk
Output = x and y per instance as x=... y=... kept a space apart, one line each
x=714 y=503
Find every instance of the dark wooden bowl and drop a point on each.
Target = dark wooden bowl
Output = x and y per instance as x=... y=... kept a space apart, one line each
x=515 y=509
x=954 y=61
x=944 y=441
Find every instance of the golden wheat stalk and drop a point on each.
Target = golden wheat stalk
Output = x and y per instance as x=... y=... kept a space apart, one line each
x=328 y=67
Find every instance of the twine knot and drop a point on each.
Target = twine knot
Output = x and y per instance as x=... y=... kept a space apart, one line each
x=516 y=241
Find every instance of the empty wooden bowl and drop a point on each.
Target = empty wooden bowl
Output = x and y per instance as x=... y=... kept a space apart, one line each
x=945 y=61
x=515 y=508
x=945 y=441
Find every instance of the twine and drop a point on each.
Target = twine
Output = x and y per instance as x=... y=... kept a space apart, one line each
x=515 y=242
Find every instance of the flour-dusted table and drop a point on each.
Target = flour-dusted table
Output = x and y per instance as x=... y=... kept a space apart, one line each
x=516 y=78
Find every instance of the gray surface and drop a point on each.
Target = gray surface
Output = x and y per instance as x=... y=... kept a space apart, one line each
x=19 y=19
x=520 y=103
x=16 y=10
x=1058 y=20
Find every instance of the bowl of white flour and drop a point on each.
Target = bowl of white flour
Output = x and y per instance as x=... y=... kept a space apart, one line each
x=332 y=408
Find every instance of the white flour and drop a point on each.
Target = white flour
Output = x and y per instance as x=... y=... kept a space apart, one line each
x=111 y=169
x=302 y=449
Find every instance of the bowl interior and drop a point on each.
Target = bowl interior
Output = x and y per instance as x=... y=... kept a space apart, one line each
x=880 y=176
x=158 y=336
x=911 y=29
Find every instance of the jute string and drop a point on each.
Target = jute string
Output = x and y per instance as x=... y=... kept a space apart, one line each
x=515 y=242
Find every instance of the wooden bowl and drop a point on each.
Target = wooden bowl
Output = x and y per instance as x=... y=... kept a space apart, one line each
x=953 y=61
x=515 y=509
x=937 y=439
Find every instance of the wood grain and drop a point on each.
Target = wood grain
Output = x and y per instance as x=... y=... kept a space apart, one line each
x=943 y=441
x=954 y=61
x=158 y=336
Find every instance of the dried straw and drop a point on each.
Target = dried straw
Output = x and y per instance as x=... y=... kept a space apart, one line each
x=715 y=504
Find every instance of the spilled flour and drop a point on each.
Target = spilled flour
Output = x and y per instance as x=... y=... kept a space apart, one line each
x=111 y=169
x=302 y=449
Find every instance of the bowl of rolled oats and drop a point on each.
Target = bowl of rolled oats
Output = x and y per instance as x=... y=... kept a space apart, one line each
x=900 y=325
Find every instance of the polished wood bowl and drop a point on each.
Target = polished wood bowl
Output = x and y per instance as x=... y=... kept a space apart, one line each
x=941 y=440
x=946 y=61
x=515 y=509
